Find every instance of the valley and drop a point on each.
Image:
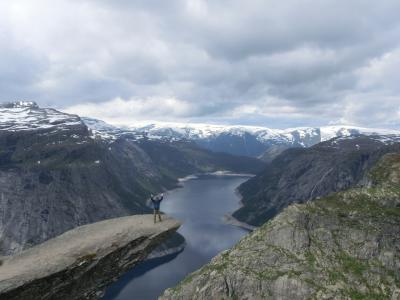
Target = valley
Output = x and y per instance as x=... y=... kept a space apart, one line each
x=54 y=175
x=200 y=204
x=199 y=150
x=59 y=172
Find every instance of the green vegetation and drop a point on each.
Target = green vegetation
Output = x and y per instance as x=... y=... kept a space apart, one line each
x=357 y=295
x=384 y=173
x=351 y=264
x=311 y=259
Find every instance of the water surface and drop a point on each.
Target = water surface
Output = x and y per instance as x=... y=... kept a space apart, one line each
x=200 y=204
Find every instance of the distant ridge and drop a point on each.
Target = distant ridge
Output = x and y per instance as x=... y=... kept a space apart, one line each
x=202 y=130
x=262 y=142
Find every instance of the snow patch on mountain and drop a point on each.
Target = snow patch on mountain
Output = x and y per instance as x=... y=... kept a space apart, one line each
x=329 y=132
x=107 y=132
x=198 y=131
x=26 y=115
x=101 y=129
x=263 y=134
x=300 y=136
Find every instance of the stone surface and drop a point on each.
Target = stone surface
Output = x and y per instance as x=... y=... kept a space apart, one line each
x=82 y=261
x=344 y=246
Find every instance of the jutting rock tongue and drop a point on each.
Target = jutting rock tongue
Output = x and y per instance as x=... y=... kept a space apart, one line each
x=81 y=262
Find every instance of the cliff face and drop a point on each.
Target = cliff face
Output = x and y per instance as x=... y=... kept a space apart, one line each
x=54 y=181
x=344 y=246
x=80 y=263
x=299 y=175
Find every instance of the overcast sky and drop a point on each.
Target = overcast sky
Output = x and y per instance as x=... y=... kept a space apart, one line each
x=270 y=63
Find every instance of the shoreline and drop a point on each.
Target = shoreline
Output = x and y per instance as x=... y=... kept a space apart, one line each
x=216 y=173
x=230 y=220
x=228 y=173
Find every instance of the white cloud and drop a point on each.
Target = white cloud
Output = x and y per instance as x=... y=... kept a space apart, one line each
x=382 y=74
x=125 y=112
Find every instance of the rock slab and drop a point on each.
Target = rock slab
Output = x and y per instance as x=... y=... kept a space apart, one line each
x=81 y=262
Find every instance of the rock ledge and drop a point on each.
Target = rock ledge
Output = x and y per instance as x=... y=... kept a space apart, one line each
x=81 y=262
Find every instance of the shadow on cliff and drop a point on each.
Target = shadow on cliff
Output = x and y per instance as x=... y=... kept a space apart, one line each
x=139 y=270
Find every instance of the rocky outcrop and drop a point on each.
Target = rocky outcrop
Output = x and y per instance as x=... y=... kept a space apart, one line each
x=80 y=263
x=303 y=174
x=344 y=246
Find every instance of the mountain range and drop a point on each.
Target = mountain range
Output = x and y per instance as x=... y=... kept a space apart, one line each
x=261 y=142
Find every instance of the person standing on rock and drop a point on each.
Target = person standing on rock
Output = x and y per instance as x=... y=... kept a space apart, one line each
x=156 y=206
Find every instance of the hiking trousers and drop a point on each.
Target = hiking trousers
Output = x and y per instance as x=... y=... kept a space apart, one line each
x=157 y=212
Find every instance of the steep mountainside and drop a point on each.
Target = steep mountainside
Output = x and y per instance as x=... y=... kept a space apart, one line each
x=239 y=140
x=183 y=158
x=302 y=174
x=344 y=246
x=55 y=175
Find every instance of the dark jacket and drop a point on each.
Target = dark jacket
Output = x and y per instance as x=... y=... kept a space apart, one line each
x=156 y=201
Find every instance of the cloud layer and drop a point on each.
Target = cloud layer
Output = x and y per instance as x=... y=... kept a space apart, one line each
x=271 y=63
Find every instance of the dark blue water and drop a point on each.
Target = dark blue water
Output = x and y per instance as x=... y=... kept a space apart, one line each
x=201 y=205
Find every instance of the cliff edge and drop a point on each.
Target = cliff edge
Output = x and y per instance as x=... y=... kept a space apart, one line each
x=81 y=262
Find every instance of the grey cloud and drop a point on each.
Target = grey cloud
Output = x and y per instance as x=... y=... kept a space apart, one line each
x=218 y=56
x=20 y=69
x=236 y=30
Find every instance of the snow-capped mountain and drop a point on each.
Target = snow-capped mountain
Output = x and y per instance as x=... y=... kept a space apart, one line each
x=25 y=116
x=302 y=136
x=239 y=140
x=102 y=130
